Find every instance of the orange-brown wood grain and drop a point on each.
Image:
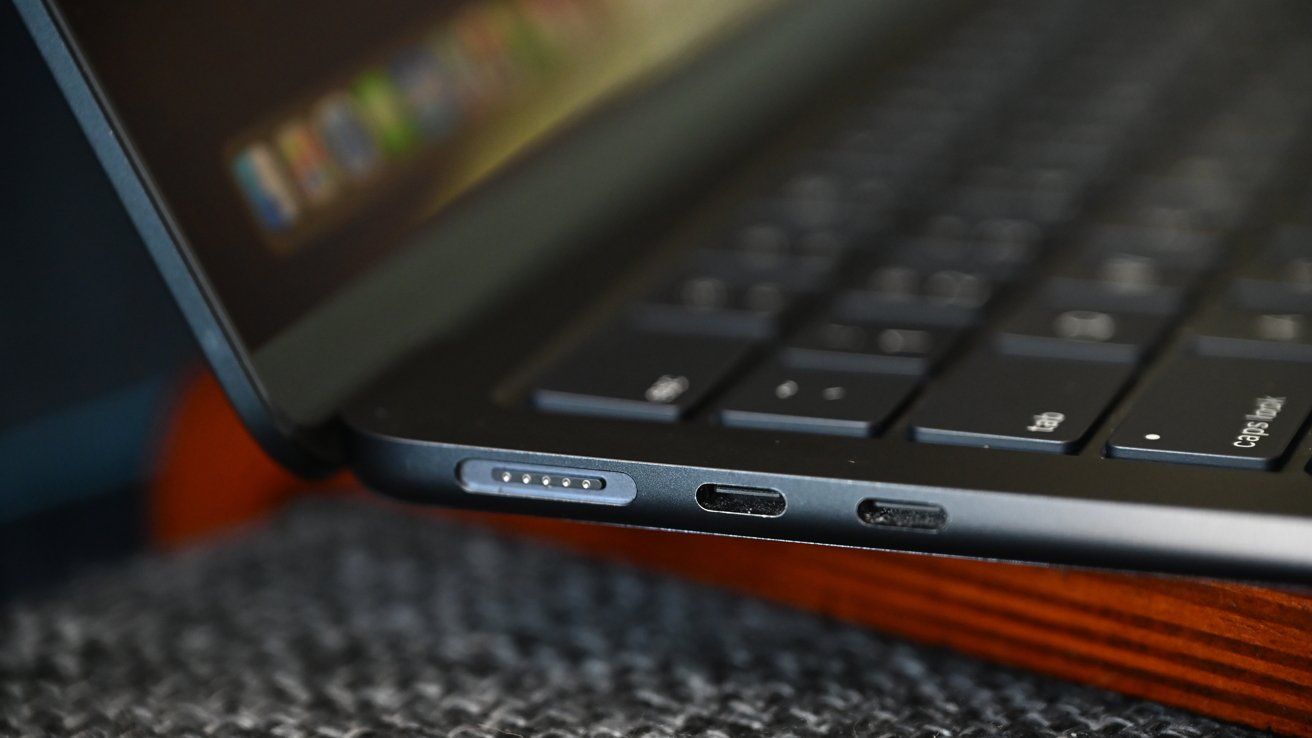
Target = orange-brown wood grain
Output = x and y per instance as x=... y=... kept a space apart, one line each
x=1235 y=652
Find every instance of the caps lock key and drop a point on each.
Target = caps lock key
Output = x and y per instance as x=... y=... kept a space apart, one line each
x=1237 y=413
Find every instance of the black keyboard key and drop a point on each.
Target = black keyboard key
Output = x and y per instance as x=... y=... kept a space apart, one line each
x=1081 y=164
x=1091 y=335
x=1288 y=289
x=998 y=248
x=1202 y=203
x=1232 y=331
x=1280 y=279
x=639 y=375
x=825 y=195
x=1045 y=206
x=814 y=401
x=1128 y=283
x=1237 y=413
x=884 y=180
x=1018 y=403
x=877 y=347
x=801 y=273
x=713 y=306
x=762 y=233
x=901 y=293
x=912 y=149
x=1183 y=248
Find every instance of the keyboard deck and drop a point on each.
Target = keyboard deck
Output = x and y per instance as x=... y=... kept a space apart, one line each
x=1057 y=209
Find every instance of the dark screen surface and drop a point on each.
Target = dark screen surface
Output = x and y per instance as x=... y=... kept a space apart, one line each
x=222 y=102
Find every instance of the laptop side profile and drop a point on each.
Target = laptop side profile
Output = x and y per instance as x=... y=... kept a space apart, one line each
x=1024 y=280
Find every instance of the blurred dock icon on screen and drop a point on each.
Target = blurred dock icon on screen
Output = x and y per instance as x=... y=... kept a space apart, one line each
x=265 y=187
x=385 y=113
x=428 y=91
x=346 y=136
x=310 y=164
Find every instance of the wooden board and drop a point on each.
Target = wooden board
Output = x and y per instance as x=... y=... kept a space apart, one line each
x=1235 y=652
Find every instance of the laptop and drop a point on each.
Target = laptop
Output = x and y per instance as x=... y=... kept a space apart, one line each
x=1020 y=280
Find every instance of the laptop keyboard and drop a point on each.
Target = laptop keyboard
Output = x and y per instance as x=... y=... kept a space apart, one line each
x=1058 y=209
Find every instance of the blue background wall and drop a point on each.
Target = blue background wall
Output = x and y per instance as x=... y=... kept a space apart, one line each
x=90 y=344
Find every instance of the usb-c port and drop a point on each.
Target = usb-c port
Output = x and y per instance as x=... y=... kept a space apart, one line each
x=718 y=498
x=908 y=515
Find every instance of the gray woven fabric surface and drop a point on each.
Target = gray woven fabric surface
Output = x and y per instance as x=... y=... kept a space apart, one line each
x=346 y=619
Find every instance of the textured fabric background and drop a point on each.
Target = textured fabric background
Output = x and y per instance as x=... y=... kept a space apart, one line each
x=346 y=619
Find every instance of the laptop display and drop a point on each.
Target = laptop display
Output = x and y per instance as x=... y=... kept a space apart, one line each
x=303 y=143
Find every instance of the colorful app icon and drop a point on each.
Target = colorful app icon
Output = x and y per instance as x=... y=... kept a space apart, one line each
x=266 y=189
x=429 y=93
x=309 y=162
x=385 y=113
x=530 y=50
x=342 y=130
x=473 y=90
x=485 y=36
